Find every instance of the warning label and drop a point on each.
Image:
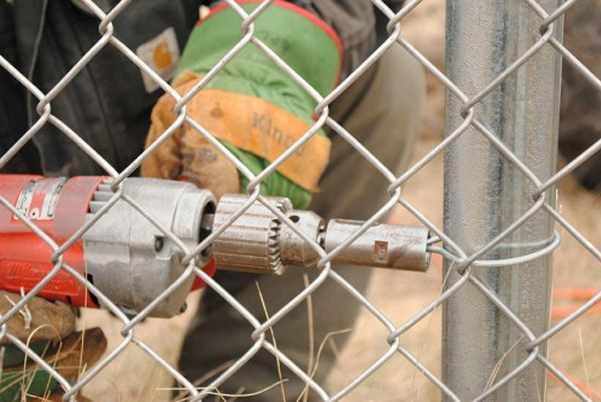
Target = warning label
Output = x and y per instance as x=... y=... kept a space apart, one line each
x=39 y=197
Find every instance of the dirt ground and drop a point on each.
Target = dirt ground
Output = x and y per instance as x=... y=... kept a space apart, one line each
x=399 y=295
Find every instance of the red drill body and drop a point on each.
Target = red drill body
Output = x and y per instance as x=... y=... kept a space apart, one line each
x=59 y=207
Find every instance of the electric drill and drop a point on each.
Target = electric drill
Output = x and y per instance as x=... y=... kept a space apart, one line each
x=132 y=262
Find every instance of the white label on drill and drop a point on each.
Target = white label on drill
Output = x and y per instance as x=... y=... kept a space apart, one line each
x=39 y=197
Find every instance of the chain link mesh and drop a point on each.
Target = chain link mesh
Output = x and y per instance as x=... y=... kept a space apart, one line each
x=394 y=354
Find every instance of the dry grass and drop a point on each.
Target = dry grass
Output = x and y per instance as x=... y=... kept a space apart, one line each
x=399 y=295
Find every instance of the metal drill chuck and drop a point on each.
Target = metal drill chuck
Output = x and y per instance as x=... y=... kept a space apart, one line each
x=258 y=242
x=252 y=242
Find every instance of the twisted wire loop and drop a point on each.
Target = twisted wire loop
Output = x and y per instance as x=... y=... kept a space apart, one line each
x=394 y=353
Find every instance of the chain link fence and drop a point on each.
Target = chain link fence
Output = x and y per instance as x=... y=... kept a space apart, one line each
x=489 y=324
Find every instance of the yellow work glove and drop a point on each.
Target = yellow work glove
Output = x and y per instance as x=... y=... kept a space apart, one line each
x=253 y=107
x=48 y=328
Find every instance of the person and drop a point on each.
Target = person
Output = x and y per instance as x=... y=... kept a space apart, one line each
x=382 y=110
x=579 y=125
x=109 y=102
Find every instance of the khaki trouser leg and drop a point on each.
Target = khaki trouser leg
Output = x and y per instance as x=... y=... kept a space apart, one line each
x=383 y=111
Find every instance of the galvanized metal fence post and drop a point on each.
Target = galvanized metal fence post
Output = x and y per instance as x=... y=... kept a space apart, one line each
x=496 y=54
